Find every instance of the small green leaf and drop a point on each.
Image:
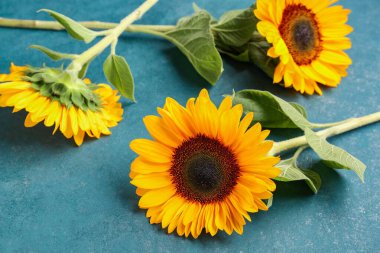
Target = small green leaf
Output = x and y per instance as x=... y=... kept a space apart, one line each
x=194 y=38
x=54 y=55
x=235 y=28
x=291 y=172
x=272 y=111
x=75 y=29
x=333 y=156
x=117 y=72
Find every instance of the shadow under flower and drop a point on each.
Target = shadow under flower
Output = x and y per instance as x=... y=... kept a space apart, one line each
x=14 y=133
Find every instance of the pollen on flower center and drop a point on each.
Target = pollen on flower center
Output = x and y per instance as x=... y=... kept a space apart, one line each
x=204 y=170
x=303 y=35
x=300 y=32
x=203 y=173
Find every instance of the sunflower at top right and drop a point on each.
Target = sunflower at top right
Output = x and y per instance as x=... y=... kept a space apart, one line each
x=308 y=38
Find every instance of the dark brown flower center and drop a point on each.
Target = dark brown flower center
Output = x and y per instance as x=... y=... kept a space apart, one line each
x=300 y=31
x=204 y=170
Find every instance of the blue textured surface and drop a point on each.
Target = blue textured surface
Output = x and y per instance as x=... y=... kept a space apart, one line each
x=55 y=197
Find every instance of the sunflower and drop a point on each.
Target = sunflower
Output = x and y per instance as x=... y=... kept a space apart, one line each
x=308 y=36
x=205 y=169
x=76 y=107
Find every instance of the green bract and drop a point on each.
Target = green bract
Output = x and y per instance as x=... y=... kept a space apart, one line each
x=58 y=84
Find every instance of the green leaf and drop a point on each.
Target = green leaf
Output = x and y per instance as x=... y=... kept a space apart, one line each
x=117 y=72
x=194 y=38
x=54 y=55
x=75 y=29
x=333 y=156
x=291 y=172
x=272 y=111
x=235 y=28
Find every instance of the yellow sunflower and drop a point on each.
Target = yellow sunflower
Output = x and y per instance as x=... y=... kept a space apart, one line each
x=50 y=96
x=308 y=36
x=205 y=169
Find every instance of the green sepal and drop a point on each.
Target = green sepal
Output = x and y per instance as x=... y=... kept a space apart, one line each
x=60 y=85
x=59 y=88
x=45 y=90
x=77 y=98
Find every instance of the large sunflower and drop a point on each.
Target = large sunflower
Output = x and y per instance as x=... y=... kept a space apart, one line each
x=308 y=36
x=205 y=168
x=48 y=95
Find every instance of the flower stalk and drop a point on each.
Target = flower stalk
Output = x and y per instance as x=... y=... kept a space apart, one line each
x=53 y=25
x=77 y=64
x=344 y=126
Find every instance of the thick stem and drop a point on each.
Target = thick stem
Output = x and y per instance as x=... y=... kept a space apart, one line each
x=53 y=25
x=332 y=131
x=324 y=125
x=76 y=65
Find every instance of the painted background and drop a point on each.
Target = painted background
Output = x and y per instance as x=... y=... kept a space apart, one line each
x=55 y=197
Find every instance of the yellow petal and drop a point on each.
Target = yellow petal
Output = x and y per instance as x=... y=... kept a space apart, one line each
x=141 y=166
x=78 y=138
x=152 y=181
x=156 y=197
x=161 y=132
x=73 y=120
x=152 y=151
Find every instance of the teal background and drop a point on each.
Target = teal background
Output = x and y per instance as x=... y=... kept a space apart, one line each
x=55 y=197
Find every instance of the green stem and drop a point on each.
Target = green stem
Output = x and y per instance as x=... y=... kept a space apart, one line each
x=343 y=127
x=113 y=47
x=53 y=25
x=324 y=125
x=77 y=64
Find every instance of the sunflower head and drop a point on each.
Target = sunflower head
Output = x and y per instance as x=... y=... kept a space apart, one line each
x=60 y=85
x=206 y=168
x=309 y=38
x=52 y=95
